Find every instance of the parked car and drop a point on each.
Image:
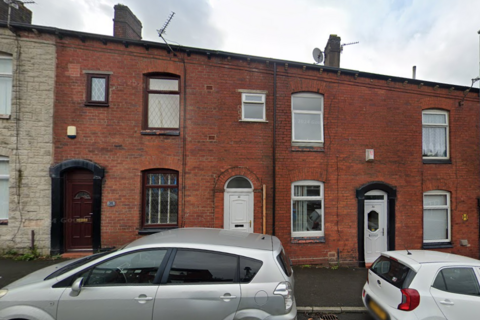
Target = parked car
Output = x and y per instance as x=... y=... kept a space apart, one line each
x=422 y=284
x=178 y=274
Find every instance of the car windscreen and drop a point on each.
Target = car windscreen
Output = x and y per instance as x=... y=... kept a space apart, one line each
x=393 y=272
x=76 y=264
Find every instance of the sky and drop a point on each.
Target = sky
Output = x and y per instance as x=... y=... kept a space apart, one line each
x=439 y=37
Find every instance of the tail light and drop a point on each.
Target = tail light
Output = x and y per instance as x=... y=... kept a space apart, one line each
x=285 y=289
x=410 y=300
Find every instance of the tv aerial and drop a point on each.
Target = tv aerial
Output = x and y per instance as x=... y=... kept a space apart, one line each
x=161 y=31
x=317 y=55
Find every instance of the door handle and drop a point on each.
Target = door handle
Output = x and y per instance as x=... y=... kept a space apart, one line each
x=228 y=296
x=142 y=299
x=447 y=302
x=250 y=223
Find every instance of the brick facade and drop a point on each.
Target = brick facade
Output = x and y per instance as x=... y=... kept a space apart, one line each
x=361 y=111
x=213 y=145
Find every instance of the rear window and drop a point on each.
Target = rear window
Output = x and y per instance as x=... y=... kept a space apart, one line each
x=393 y=272
x=248 y=269
x=284 y=261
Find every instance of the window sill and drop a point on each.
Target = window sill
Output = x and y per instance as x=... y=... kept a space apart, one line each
x=160 y=132
x=437 y=161
x=146 y=231
x=437 y=245
x=320 y=239
x=246 y=120
x=3 y=222
x=310 y=148
x=93 y=104
x=4 y=116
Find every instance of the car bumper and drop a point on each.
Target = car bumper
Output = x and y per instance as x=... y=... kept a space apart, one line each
x=292 y=315
x=381 y=311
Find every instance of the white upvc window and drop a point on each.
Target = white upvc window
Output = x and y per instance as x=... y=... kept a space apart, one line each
x=307 y=117
x=253 y=107
x=4 y=187
x=435 y=134
x=307 y=209
x=436 y=216
x=6 y=71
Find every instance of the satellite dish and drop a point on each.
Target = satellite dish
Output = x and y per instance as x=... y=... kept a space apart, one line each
x=317 y=55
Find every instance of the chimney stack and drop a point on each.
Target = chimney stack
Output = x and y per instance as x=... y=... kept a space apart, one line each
x=332 y=51
x=125 y=24
x=20 y=15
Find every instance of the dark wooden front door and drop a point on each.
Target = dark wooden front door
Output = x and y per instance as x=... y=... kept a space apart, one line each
x=78 y=210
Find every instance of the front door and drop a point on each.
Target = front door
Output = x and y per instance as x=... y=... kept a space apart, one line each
x=375 y=225
x=238 y=214
x=78 y=210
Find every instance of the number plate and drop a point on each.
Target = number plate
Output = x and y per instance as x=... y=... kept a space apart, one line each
x=377 y=310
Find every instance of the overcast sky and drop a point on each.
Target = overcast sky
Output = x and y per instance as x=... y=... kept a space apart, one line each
x=440 y=37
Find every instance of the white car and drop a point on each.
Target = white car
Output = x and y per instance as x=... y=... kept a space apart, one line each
x=421 y=284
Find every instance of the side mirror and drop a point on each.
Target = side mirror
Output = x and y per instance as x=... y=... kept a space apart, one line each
x=76 y=287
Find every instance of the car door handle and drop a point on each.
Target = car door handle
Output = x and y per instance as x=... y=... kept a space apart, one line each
x=447 y=302
x=143 y=299
x=227 y=296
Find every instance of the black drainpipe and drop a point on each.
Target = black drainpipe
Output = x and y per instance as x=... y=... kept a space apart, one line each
x=184 y=164
x=274 y=143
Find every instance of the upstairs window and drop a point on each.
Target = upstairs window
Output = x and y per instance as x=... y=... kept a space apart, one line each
x=253 y=107
x=307 y=209
x=162 y=103
x=160 y=189
x=436 y=216
x=435 y=134
x=307 y=117
x=6 y=72
x=97 y=90
x=4 y=187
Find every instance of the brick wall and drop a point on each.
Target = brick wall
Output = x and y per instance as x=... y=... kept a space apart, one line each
x=360 y=113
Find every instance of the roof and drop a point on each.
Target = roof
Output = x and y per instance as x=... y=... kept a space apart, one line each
x=427 y=256
x=184 y=237
x=60 y=33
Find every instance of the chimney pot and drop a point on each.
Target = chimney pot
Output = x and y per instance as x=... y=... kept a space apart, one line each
x=332 y=51
x=20 y=15
x=126 y=24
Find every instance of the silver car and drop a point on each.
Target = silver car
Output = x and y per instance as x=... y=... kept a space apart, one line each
x=178 y=274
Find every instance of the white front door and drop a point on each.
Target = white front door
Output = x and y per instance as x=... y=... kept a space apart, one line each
x=238 y=210
x=375 y=225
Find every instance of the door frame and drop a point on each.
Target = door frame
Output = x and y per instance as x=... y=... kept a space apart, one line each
x=57 y=174
x=240 y=192
x=391 y=192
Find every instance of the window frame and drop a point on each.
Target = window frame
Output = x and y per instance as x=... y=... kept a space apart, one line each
x=448 y=239
x=148 y=91
x=437 y=125
x=145 y=187
x=8 y=106
x=99 y=103
x=320 y=113
x=6 y=177
x=263 y=103
x=299 y=234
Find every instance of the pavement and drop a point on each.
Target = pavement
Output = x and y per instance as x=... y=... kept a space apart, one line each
x=317 y=289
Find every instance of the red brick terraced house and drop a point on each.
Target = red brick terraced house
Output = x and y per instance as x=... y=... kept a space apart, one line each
x=339 y=164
